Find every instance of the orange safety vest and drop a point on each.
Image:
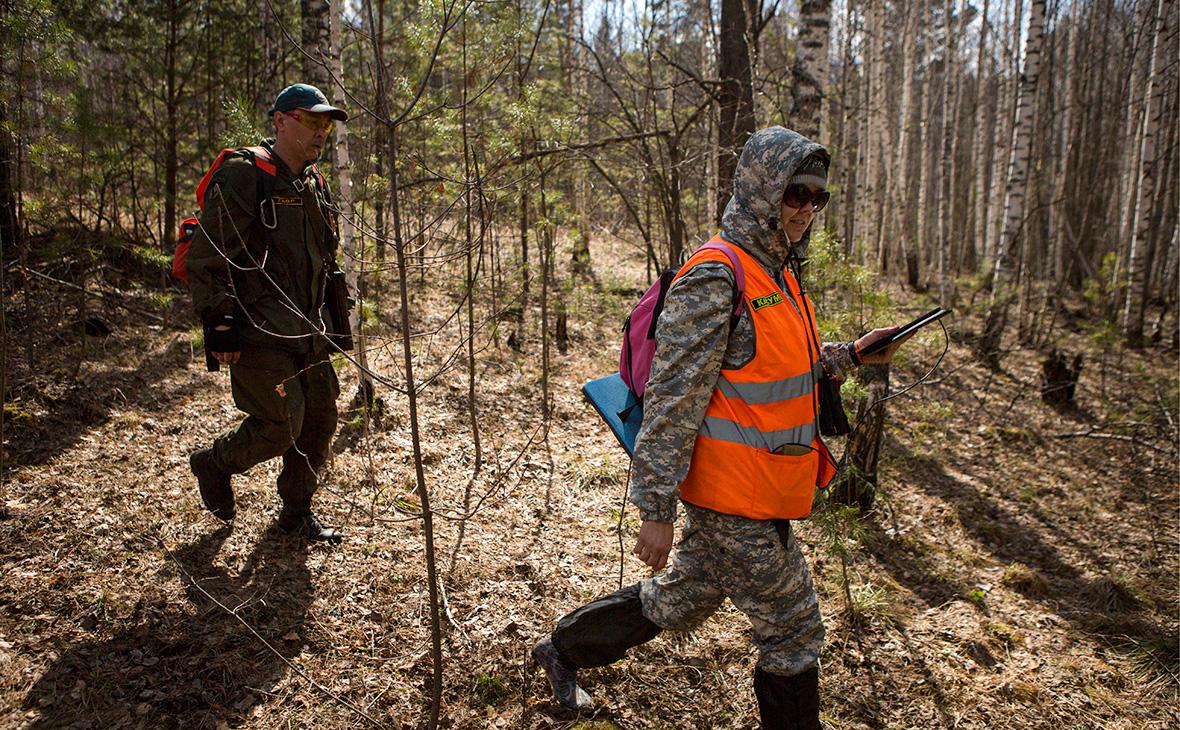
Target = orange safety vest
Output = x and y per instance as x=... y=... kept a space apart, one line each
x=767 y=404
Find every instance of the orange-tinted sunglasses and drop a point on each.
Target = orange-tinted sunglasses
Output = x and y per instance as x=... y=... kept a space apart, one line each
x=314 y=124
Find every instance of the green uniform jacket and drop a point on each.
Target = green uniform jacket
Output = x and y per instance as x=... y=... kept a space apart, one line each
x=275 y=296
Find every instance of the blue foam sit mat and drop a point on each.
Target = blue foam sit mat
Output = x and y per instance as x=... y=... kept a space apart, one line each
x=611 y=398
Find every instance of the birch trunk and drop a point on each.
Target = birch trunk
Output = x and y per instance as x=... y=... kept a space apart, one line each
x=877 y=169
x=317 y=46
x=352 y=247
x=1065 y=151
x=1010 y=237
x=904 y=191
x=1153 y=109
x=1129 y=181
x=981 y=158
x=945 y=211
x=810 y=82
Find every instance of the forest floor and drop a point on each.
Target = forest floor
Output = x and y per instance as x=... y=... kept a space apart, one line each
x=1015 y=574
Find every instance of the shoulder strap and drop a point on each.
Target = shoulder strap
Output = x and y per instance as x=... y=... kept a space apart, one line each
x=264 y=189
x=739 y=275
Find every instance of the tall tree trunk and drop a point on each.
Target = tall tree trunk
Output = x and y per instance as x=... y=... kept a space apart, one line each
x=736 y=93
x=1010 y=238
x=317 y=45
x=1008 y=95
x=171 y=141
x=1129 y=181
x=411 y=385
x=1153 y=108
x=981 y=153
x=1065 y=151
x=9 y=221
x=946 y=158
x=903 y=191
x=352 y=246
x=810 y=74
x=878 y=172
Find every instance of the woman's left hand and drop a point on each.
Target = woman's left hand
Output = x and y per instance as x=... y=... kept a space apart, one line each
x=884 y=356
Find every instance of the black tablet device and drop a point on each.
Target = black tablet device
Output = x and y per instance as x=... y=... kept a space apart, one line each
x=929 y=318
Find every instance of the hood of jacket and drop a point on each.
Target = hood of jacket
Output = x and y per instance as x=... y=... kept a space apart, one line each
x=751 y=219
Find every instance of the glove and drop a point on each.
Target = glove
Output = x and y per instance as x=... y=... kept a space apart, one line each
x=222 y=340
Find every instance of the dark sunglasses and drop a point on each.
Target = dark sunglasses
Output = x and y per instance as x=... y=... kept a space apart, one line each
x=797 y=196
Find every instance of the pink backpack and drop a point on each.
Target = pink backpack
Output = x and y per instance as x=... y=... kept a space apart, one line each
x=639 y=331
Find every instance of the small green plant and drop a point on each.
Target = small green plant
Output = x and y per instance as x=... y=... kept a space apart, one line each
x=491 y=690
x=875 y=602
x=367 y=309
x=243 y=128
x=16 y=415
x=160 y=299
x=976 y=596
x=152 y=257
x=197 y=338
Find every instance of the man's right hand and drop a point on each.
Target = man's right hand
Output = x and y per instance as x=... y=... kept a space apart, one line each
x=222 y=340
x=654 y=543
x=226 y=358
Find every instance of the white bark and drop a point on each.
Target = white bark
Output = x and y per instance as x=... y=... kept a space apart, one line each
x=352 y=247
x=810 y=74
x=317 y=44
x=1010 y=236
x=981 y=158
x=1153 y=109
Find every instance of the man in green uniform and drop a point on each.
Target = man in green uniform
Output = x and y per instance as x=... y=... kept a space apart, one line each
x=258 y=269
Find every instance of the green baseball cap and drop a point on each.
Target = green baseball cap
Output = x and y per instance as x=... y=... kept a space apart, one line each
x=308 y=97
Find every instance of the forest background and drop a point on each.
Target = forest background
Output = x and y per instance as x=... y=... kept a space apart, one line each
x=512 y=177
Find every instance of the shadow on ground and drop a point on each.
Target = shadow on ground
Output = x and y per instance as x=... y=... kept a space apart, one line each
x=1087 y=596
x=191 y=668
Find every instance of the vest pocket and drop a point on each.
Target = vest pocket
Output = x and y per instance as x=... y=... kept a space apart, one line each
x=785 y=484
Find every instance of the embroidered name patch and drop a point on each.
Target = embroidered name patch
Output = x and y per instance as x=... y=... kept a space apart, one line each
x=768 y=301
x=288 y=200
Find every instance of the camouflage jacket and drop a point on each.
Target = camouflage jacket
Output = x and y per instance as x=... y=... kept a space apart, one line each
x=693 y=341
x=276 y=296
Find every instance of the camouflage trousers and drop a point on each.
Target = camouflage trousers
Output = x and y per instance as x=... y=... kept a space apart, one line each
x=757 y=564
x=290 y=406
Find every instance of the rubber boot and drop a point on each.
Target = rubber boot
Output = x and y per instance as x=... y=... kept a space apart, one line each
x=788 y=703
x=213 y=483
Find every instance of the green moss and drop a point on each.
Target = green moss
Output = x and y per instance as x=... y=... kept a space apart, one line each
x=491 y=690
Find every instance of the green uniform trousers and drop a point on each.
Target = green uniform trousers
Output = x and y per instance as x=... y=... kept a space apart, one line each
x=290 y=406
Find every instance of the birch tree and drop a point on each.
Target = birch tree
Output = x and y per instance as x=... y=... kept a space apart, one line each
x=810 y=73
x=988 y=344
x=1137 y=263
x=316 y=35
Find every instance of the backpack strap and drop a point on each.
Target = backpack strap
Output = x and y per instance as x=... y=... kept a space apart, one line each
x=739 y=275
x=264 y=188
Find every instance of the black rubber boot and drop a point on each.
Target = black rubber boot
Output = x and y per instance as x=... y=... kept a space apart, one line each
x=309 y=526
x=213 y=483
x=788 y=703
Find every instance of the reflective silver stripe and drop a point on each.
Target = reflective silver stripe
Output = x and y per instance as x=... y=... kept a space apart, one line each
x=725 y=430
x=757 y=394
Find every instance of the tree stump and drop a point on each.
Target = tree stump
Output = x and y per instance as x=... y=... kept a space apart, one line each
x=858 y=484
x=1059 y=378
